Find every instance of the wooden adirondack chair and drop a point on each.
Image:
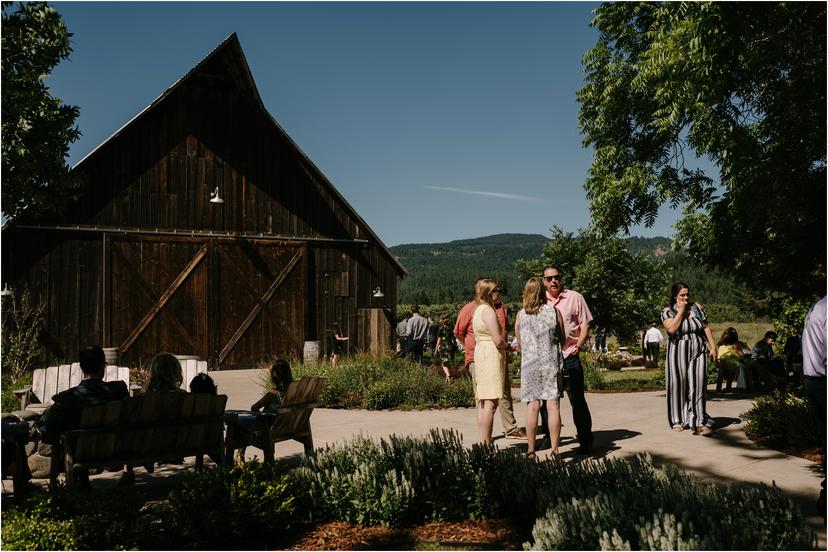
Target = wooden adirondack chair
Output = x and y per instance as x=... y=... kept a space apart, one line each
x=291 y=421
x=47 y=382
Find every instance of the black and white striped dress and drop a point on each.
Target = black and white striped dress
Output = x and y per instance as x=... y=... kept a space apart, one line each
x=686 y=370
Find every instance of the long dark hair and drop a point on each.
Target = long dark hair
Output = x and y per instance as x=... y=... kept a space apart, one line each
x=281 y=375
x=729 y=337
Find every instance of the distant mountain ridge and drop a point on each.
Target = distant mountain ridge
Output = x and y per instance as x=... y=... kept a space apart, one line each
x=445 y=272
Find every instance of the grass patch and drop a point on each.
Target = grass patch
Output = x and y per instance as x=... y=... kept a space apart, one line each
x=749 y=332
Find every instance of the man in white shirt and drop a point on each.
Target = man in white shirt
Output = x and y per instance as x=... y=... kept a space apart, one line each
x=813 y=370
x=653 y=340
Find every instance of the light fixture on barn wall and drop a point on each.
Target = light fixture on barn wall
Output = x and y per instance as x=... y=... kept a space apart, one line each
x=7 y=291
x=215 y=198
x=378 y=293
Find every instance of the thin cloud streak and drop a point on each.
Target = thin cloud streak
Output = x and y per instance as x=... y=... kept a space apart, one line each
x=498 y=195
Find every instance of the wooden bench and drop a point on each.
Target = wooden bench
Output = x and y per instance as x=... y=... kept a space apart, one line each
x=141 y=430
x=290 y=422
x=47 y=382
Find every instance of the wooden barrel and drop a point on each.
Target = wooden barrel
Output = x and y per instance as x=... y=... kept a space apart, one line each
x=112 y=355
x=311 y=351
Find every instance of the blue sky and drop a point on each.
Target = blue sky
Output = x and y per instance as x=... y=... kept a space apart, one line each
x=437 y=121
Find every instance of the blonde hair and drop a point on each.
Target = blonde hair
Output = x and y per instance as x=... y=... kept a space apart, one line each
x=533 y=295
x=483 y=292
x=165 y=373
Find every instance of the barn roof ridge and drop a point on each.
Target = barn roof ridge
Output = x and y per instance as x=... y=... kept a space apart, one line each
x=232 y=41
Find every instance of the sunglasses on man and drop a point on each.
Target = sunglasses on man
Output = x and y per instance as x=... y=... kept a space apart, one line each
x=553 y=277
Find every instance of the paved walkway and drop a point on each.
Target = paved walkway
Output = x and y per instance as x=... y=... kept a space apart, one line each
x=624 y=424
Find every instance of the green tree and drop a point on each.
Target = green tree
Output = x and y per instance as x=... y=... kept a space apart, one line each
x=624 y=291
x=741 y=84
x=37 y=128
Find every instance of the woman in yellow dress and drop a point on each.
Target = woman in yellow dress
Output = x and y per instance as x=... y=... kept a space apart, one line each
x=489 y=360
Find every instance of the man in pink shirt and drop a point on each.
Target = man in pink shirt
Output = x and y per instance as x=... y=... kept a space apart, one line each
x=463 y=330
x=576 y=317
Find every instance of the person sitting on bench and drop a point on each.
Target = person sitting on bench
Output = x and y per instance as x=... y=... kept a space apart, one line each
x=65 y=412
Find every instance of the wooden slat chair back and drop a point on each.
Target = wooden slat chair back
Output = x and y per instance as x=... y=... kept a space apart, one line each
x=47 y=382
x=189 y=369
x=293 y=419
x=141 y=430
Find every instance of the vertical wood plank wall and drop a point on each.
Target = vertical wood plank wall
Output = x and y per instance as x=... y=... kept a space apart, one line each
x=158 y=174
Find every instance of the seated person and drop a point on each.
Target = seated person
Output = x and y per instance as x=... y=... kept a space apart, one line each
x=729 y=355
x=165 y=376
x=65 y=412
x=767 y=368
x=249 y=429
x=202 y=383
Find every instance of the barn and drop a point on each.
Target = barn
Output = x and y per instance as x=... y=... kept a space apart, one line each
x=147 y=259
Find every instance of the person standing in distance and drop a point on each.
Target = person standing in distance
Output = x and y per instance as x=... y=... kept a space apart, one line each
x=653 y=340
x=576 y=319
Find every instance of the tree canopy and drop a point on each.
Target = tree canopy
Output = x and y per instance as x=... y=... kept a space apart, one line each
x=37 y=128
x=741 y=84
x=625 y=291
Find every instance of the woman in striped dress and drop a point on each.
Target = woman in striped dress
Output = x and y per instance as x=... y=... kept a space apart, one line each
x=690 y=341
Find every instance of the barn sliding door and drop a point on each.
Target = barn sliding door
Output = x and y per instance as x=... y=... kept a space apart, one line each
x=232 y=302
x=259 y=301
x=155 y=296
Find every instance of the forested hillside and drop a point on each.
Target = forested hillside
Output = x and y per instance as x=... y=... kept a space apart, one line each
x=445 y=272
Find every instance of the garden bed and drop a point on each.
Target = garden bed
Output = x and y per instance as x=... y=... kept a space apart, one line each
x=435 y=535
x=387 y=494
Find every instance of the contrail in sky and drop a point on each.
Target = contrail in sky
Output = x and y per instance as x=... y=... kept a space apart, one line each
x=514 y=197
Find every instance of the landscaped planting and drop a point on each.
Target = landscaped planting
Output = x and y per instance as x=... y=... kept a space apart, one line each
x=783 y=419
x=377 y=383
x=402 y=481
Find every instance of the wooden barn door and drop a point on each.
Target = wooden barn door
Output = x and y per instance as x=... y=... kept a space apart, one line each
x=258 y=301
x=155 y=296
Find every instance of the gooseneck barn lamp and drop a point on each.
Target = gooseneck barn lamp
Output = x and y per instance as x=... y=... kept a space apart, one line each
x=378 y=293
x=215 y=198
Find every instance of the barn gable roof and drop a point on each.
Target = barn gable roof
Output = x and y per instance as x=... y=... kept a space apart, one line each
x=230 y=55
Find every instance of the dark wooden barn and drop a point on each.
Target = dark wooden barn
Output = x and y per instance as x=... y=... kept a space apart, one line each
x=145 y=262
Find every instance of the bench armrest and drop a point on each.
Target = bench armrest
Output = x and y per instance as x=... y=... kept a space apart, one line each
x=23 y=396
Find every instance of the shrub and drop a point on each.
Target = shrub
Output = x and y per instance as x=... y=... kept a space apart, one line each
x=251 y=504
x=377 y=383
x=400 y=480
x=22 y=326
x=593 y=376
x=458 y=394
x=661 y=509
x=784 y=418
x=71 y=520
x=11 y=403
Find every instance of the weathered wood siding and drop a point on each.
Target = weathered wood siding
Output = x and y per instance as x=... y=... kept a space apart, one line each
x=146 y=218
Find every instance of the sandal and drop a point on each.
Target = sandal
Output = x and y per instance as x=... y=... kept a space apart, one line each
x=678 y=427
